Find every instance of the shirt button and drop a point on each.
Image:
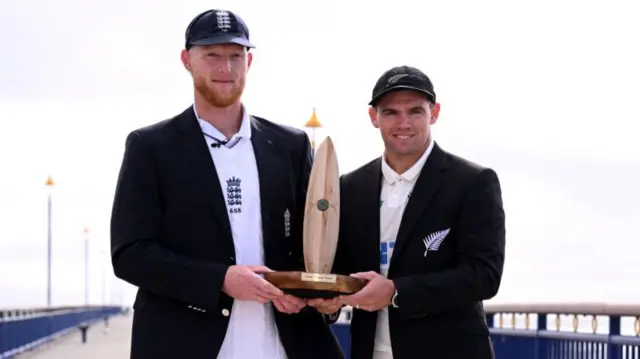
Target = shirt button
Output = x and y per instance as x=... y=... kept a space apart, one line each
x=225 y=312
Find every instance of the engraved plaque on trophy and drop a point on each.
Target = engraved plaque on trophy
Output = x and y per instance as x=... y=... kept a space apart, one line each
x=320 y=235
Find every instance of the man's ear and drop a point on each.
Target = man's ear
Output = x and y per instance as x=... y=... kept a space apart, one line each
x=435 y=112
x=184 y=57
x=373 y=115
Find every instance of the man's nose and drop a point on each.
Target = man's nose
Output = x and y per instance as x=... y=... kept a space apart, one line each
x=403 y=121
x=224 y=66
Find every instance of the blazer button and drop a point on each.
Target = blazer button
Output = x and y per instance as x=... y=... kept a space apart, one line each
x=225 y=312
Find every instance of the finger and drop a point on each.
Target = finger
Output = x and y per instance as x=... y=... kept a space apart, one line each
x=266 y=292
x=279 y=306
x=267 y=288
x=295 y=300
x=315 y=302
x=285 y=301
x=262 y=299
x=365 y=275
x=297 y=305
x=331 y=307
x=259 y=269
x=321 y=302
x=288 y=307
x=331 y=303
x=268 y=295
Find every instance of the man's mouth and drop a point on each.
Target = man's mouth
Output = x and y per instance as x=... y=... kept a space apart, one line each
x=403 y=137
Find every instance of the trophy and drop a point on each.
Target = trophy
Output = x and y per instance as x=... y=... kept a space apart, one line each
x=320 y=235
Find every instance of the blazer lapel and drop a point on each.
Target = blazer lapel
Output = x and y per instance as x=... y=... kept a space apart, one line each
x=370 y=212
x=194 y=147
x=426 y=186
x=269 y=172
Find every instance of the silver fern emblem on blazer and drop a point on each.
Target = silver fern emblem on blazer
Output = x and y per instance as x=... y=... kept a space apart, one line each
x=432 y=242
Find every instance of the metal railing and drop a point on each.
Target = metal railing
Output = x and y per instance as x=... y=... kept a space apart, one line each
x=24 y=329
x=552 y=330
x=565 y=330
x=518 y=331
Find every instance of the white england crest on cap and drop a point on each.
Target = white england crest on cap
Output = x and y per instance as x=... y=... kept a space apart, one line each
x=224 y=21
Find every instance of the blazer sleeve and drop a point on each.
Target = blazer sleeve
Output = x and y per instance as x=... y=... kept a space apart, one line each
x=480 y=255
x=138 y=256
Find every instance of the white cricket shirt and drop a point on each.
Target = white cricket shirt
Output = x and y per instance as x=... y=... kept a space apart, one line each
x=252 y=332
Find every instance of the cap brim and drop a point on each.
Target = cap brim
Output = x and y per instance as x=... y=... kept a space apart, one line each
x=223 y=39
x=426 y=93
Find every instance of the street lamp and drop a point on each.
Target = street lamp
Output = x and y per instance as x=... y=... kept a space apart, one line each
x=49 y=185
x=103 y=264
x=86 y=266
x=313 y=123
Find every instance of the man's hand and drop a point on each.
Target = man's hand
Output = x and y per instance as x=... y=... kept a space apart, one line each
x=374 y=296
x=326 y=306
x=289 y=304
x=244 y=283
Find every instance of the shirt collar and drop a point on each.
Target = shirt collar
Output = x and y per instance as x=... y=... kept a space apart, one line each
x=409 y=175
x=210 y=130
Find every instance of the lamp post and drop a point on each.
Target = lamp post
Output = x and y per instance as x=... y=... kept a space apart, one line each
x=86 y=266
x=313 y=123
x=49 y=185
x=103 y=264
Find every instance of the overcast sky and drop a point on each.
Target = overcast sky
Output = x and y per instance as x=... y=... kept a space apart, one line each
x=546 y=92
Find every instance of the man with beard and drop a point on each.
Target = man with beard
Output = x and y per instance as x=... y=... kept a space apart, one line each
x=426 y=228
x=205 y=203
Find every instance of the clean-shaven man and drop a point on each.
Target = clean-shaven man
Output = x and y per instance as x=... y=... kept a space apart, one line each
x=426 y=228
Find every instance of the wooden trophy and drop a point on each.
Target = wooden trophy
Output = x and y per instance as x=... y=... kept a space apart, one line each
x=320 y=235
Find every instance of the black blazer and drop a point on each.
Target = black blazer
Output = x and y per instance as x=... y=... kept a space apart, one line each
x=440 y=313
x=171 y=237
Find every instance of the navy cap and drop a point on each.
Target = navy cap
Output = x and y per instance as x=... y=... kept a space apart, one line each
x=214 y=27
x=403 y=78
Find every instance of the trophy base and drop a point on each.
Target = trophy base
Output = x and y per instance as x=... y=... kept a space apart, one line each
x=315 y=285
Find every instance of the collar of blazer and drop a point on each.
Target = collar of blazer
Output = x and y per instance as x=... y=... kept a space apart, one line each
x=270 y=154
x=426 y=186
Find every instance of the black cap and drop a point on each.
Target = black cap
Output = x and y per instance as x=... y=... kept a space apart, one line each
x=403 y=78
x=214 y=27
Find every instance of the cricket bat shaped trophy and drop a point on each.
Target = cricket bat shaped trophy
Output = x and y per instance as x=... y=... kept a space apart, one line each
x=320 y=235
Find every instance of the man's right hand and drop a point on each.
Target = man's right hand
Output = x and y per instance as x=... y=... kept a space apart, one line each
x=244 y=283
x=325 y=306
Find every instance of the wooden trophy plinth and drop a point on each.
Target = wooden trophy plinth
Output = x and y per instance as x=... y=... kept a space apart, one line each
x=320 y=235
x=315 y=285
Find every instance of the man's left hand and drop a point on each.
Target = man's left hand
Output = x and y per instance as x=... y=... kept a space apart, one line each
x=289 y=304
x=374 y=296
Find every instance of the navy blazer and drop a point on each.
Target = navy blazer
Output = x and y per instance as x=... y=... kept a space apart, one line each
x=171 y=237
x=440 y=292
